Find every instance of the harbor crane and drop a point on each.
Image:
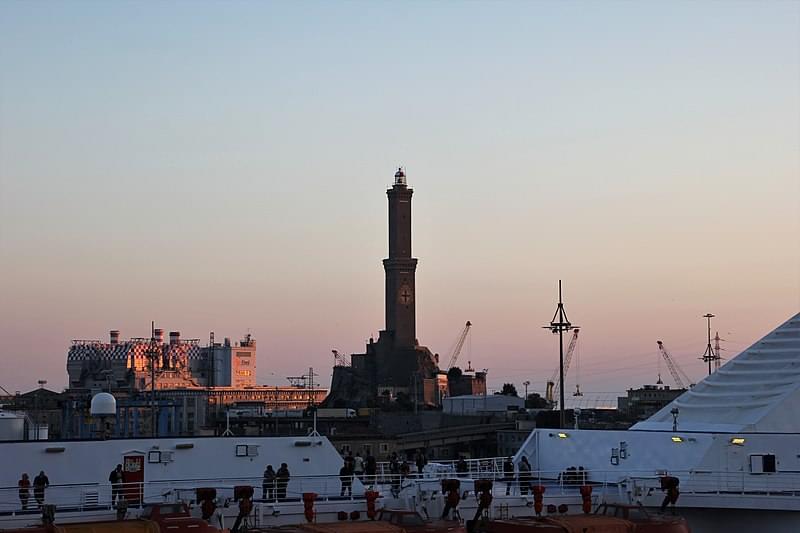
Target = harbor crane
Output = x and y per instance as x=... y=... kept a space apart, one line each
x=553 y=385
x=459 y=345
x=680 y=377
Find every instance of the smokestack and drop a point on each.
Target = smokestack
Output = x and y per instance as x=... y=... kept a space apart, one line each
x=158 y=335
x=174 y=337
x=114 y=334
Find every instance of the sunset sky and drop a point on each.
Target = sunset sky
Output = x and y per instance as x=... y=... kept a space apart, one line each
x=223 y=165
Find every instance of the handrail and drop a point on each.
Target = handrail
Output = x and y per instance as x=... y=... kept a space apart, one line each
x=607 y=484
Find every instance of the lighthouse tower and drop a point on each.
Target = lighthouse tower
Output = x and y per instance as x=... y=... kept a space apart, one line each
x=394 y=364
x=400 y=267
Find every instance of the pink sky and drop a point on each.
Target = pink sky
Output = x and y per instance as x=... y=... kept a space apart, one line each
x=226 y=171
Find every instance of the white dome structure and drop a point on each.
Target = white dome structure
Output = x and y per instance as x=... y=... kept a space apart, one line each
x=103 y=404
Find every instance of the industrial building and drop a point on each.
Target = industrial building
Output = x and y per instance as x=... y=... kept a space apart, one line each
x=640 y=403
x=129 y=365
x=482 y=404
x=174 y=387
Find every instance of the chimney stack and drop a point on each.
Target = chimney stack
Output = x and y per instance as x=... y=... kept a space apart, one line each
x=158 y=335
x=174 y=337
x=114 y=334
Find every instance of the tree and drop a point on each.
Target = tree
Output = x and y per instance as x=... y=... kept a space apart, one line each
x=535 y=401
x=508 y=390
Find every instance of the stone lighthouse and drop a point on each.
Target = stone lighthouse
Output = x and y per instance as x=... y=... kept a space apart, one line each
x=394 y=365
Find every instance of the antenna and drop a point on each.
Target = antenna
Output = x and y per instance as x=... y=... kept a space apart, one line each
x=709 y=356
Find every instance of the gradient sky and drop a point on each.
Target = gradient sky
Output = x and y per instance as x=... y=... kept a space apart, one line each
x=222 y=166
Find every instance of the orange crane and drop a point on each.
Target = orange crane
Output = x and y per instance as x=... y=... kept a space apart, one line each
x=459 y=345
x=552 y=384
x=676 y=371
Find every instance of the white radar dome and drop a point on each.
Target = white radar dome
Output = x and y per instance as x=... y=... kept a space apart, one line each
x=103 y=404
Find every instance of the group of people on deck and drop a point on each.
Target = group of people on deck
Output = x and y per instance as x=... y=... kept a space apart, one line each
x=525 y=478
x=274 y=484
x=366 y=470
x=40 y=483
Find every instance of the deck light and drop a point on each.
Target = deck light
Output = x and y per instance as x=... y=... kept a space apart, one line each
x=677 y=439
x=738 y=441
x=563 y=435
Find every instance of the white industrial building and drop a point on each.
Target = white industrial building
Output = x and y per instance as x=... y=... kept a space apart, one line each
x=478 y=404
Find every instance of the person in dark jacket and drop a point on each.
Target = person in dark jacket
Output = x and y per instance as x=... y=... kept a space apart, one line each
x=40 y=483
x=508 y=474
x=421 y=460
x=24 y=485
x=282 y=476
x=115 y=478
x=524 y=468
x=394 y=473
x=346 y=477
x=370 y=470
x=268 y=483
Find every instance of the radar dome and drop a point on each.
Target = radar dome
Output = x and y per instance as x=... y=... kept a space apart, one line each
x=103 y=404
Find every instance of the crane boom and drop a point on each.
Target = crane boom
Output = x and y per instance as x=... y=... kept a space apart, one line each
x=677 y=372
x=459 y=345
x=553 y=385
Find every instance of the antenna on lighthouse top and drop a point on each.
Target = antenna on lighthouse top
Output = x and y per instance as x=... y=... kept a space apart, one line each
x=400 y=176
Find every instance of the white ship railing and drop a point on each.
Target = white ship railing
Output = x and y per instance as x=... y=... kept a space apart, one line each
x=607 y=486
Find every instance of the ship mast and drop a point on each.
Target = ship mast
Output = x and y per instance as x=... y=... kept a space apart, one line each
x=558 y=325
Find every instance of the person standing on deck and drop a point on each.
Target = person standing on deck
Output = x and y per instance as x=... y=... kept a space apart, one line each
x=421 y=461
x=371 y=470
x=268 y=484
x=508 y=474
x=394 y=473
x=24 y=491
x=40 y=483
x=282 y=477
x=115 y=478
x=346 y=477
x=524 y=476
x=358 y=465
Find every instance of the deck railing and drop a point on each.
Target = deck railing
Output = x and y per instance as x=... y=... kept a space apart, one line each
x=607 y=485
